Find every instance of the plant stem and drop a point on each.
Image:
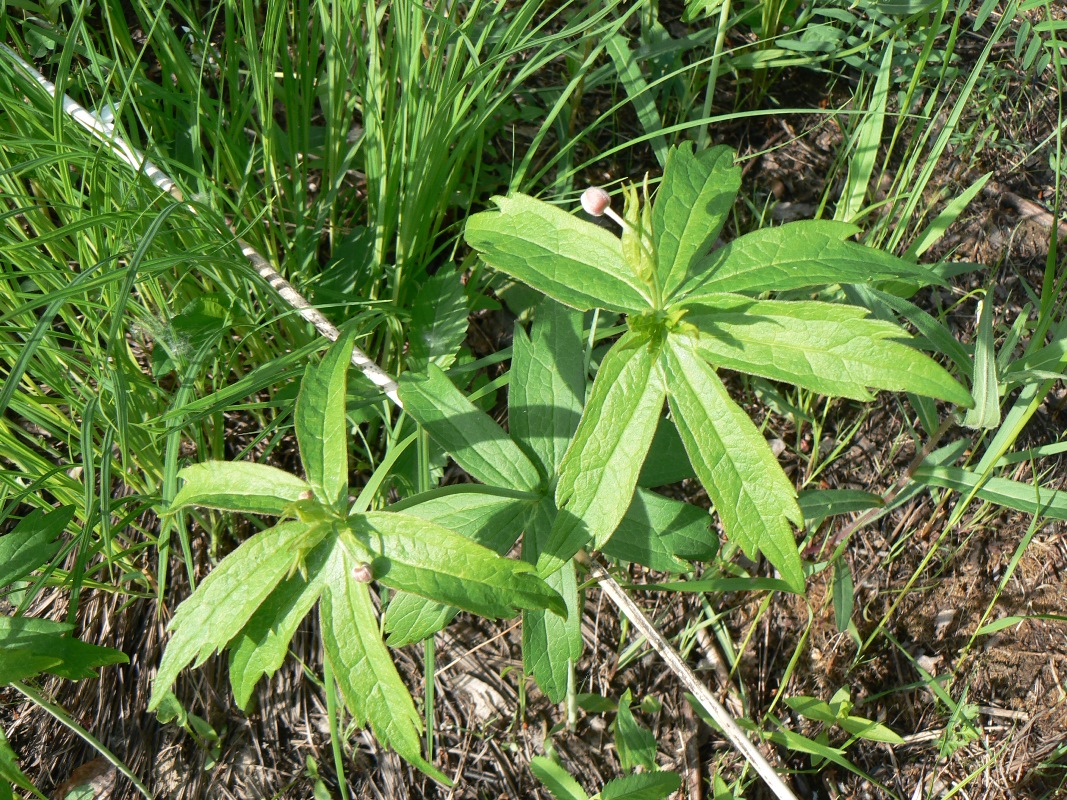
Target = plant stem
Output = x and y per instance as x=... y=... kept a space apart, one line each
x=140 y=164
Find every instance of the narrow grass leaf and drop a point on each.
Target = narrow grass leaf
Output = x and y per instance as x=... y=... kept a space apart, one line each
x=795 y=256
x=576 y=262
x=628 y=68
x=320 y=423
x=426 y=559
x=692 y=205
x=984 y=385
x=751 y=494
x=865 y=143
x=642 y=786
x=933 y=232
x=1015 y=619
x=663 y=534
x=224 y=603
x=261 y=646
x=372 y=688
x=239 y=486
x=1026 y=497
x=547 y=385
x=836 y=350
x=844 y=595
x=598 y=474
x=466 y=432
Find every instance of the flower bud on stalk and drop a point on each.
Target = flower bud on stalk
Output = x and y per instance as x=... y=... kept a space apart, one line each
x=597 y=202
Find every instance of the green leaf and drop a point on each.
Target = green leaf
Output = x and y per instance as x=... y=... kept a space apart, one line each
x=628 y=68
x=321 y=429
x=1039 y=500
x=636 y=745
x=43 y=639
x=818 y=504
x=10 y=772
x=226 y=600
x=659 y=532
x=986 y=411
x=240 y=486
x=832 y=349
x=438 y=321
x=372 y=688
x=470 y=435
x=550 y=644
x=17 y=664
x=752 y=495
x=576 y=262
x=32 y=543
x=666 y=462
x=692 y=205
x=491 y=517
x=599 y=472
x=795 y=256
x=556 y=779
x=428 y=560
x=261 y=646
x=547 y=384
x=411 y=618
x=844 y=595
x=642 y=786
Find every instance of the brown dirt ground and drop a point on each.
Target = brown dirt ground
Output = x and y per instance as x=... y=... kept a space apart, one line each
x=489 y=725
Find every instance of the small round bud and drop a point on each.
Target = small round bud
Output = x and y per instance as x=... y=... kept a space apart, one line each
x=363 y=572
x=596 y=201
x=307 y=494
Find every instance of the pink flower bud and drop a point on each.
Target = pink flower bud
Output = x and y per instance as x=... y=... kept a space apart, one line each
x=596 y=201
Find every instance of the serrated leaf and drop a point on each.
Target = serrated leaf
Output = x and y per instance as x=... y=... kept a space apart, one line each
x=798 y=255
x=433 y=562
x=261 y=646
x=17 y=664
x=659 y=532
x=635 y=744
x=692 y=205
x=836 y=350
x=549 y=642
x=598 y=474
x=438 y=321
x=223 y=604
x=469 y=435
x=490 y=516
x=370 y=685
x=239 y=486
x=9 y=769
x=547 y=384
x=576 y=262
x=733 y=461
x=411 y=618
x=44 y=639
x=556 y=779
x=642 y=786
x=32 y=542
x=321 y=429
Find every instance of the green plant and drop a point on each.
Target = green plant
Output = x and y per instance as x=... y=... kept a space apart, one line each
x=688 y=313
x=30 y=647
x=329 y=551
